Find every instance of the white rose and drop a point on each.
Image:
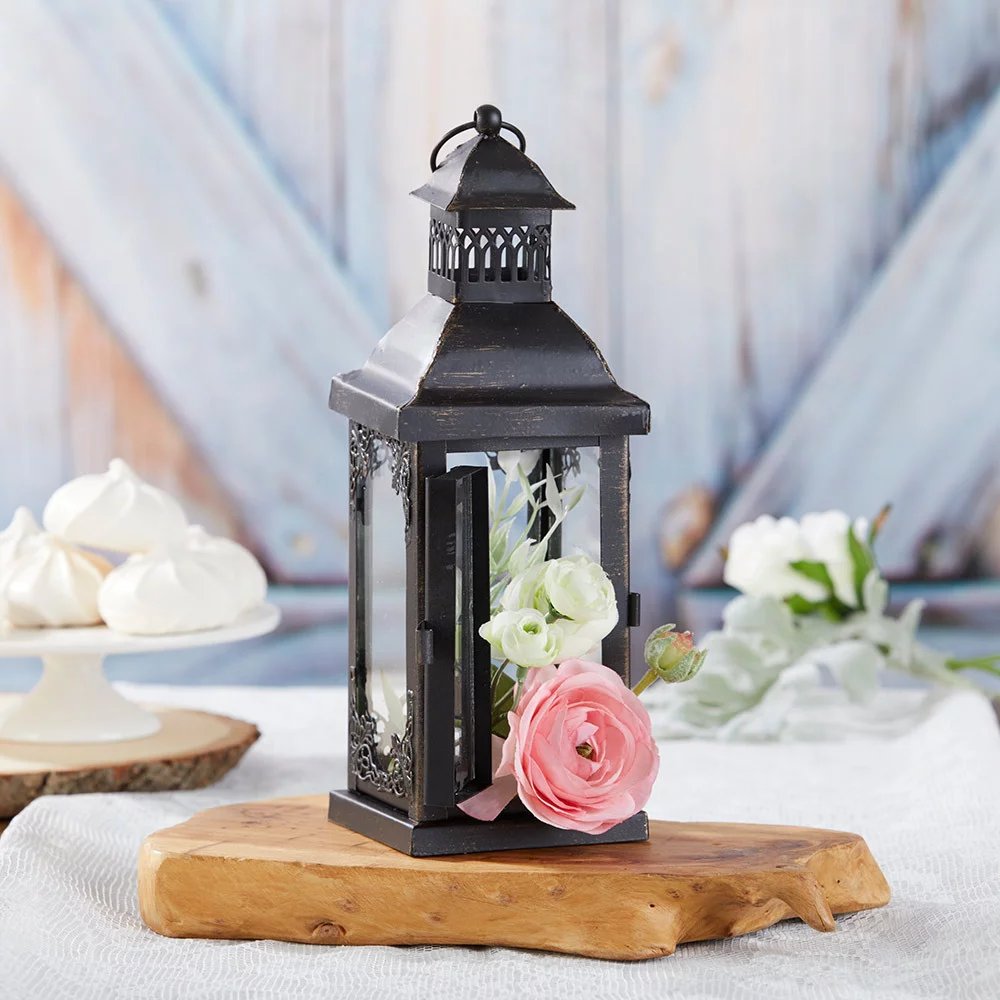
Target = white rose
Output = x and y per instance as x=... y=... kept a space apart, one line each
x=510 y=461
x=579 y=589
x=527 y=587
x=825 y=537
x=759 y=555
x=524 y=637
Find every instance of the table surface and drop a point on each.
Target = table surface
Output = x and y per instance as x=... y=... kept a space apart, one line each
x=928 y=803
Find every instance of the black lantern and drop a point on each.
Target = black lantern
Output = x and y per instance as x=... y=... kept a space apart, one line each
x=484 y=365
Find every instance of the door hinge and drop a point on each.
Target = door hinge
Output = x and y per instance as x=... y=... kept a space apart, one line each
x=634 y=613
x=425 y=643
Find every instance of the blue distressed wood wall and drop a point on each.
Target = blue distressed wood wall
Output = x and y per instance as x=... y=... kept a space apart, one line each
x=204 y=212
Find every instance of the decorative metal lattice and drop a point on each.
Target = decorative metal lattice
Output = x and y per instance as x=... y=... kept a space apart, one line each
x=399 y=470
x=369 y=451
x=390 y=770
x=362 y=458
x=571 y=462
x=490 y=253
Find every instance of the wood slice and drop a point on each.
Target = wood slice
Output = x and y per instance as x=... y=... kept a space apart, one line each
x=191 y=750
x=280 y=870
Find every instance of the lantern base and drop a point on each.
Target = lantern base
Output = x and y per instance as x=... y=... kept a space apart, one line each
x=463 y=835
x=278 y=870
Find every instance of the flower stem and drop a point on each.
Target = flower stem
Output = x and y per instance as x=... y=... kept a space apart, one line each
x=644 y=682
x=496 y=677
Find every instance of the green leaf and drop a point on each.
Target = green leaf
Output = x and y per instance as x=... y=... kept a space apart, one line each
x=552 y=496
x=830 y=608
x=503 y=701
x=801 y=606
x=815 y=571
x=862 y=561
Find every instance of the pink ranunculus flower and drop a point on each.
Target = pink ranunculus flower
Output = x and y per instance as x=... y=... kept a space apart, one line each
x=580 y=753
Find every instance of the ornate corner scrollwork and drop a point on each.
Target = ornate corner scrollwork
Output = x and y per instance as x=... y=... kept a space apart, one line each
x=571 y=461
x=361 y=451
x=368 y=452
x=390 y=770
x=399 y=468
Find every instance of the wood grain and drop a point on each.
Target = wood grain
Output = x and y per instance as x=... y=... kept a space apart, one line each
x=278 y=869
x=742 y=171
x=922 y=363
x=73 y=399
x=772 y=153
x=208 y=274
x=192 y=749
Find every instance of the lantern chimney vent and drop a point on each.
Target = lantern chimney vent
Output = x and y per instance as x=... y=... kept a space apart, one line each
x=491 y=217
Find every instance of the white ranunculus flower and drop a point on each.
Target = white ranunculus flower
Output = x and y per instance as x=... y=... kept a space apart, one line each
x=579 y=639
x=524 y=637
x=825 y=538
x=578 y=588
x=510 y=461
x=759 y=555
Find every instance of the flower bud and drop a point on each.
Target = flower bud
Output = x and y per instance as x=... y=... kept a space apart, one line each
x=672 y=655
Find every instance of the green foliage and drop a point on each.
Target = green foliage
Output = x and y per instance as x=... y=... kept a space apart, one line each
x=813 y=570
x=504 y=690
x=863 y=561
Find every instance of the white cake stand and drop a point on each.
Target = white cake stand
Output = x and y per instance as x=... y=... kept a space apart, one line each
x=73 y=701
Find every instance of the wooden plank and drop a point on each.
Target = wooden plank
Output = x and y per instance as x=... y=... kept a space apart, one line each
x=32 y=370
x=280 y=68
x=409 y=85
x=113 y=412
x=906 y=407
x=559 y=87
x=210 y=277
x=73 y=400
x=414 y=71
x=771 y=154
x=280 y=870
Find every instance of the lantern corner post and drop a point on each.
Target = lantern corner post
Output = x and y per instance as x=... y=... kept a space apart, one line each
x=615 y=472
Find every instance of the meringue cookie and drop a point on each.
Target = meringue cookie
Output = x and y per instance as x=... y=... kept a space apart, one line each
x=17 y=537
x=174 y=588
x=114 y=510
x=248 y=578
x=53 y=584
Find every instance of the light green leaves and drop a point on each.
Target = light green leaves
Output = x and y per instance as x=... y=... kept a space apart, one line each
x=862 y=561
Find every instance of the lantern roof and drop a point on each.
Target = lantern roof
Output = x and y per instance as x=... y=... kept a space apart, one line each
x=487 y=172
x=487 y=354
x=460 y=371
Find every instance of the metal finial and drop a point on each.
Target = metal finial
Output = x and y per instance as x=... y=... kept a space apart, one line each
x=487 y=120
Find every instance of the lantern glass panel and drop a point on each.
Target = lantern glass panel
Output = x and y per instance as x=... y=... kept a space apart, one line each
x=580 y=533
x=385 y=600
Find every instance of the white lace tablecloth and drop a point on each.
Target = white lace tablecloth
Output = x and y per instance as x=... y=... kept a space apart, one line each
x=927 y=802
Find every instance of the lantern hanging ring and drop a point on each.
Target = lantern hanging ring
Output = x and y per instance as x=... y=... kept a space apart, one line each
x=486 y=121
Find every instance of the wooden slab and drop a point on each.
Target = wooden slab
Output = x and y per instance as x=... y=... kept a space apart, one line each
x=278 y=869
x=191 y=750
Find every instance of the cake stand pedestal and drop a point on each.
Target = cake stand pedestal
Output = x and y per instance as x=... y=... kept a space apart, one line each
x=73 y=732
x=279 y=869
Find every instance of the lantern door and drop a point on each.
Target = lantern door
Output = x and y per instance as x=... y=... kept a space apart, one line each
x=456 y=659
